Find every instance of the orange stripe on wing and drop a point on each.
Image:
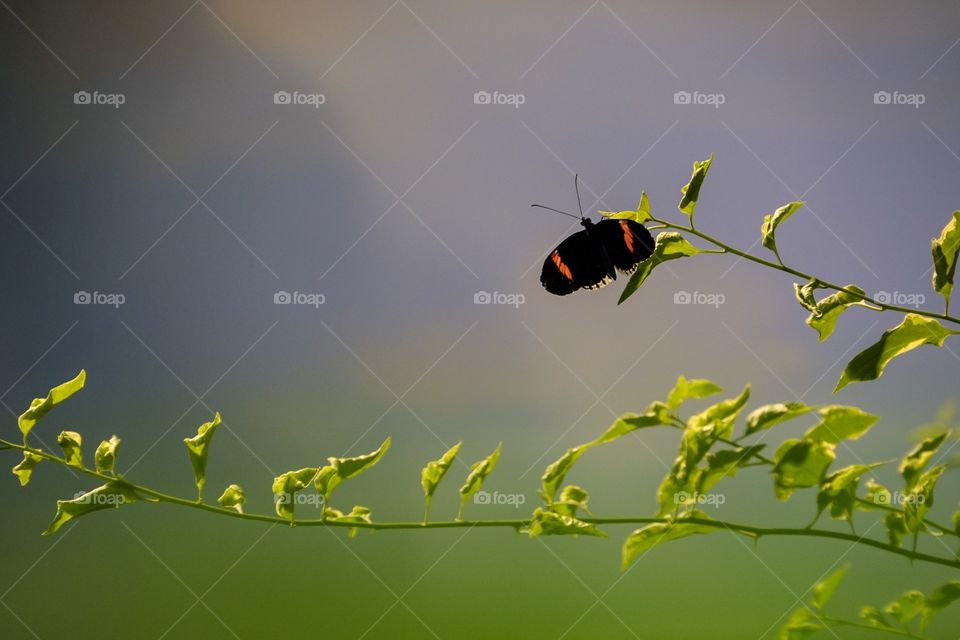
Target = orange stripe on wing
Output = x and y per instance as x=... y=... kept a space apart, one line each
x=563 y=268
x=627 y=235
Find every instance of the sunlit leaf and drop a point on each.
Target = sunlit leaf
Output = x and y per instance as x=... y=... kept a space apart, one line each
x=773 y=414
x=70 y=442
x=771 y=221
x=896 y=528
x=721 y=415
x=724 y=463
x=916 y=461
x=108 y=496
x=801 y=624
x=198 y=450
x=41 y=406
x=105 y=456
x=824 y=318
x=641 y=215
x=233 y=497
x=645 y=538
x=691 y=191
x=823 y=591
x=804 y=294
x=907 y=607
x=550 y=523
x=670 y=246
x=838 y=422
x=945 y=250
x=478 y=473
x=800 y=464
x=686 y=389
x=838 y=492
x=339 y=469
x=25 y=468
x=433 y=473
x=920 y=499
x=657 y=414
x=556 y=471
x=571 y=498
x=359 y=514
x=286 y=486
x=915 y=331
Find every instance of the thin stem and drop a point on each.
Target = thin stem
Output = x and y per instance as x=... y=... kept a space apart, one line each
x=748 y=530
x=839 y=622
x=806 y=276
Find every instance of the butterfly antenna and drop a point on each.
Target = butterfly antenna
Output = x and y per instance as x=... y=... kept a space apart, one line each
x=576 y=187
x=554 y=210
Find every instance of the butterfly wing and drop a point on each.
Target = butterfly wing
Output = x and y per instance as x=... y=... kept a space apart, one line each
x=627 y=242
x=580 y=261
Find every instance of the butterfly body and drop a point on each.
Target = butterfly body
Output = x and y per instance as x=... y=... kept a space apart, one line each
x=591 y=257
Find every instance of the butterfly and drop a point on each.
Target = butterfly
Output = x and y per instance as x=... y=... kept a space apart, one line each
x=591 y=257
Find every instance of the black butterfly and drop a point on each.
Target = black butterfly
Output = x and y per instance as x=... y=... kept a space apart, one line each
x=590 y=259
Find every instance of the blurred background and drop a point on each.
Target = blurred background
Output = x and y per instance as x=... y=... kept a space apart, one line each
x=201 y=159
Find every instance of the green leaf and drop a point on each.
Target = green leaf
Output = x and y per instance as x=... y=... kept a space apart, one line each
x=874 y=617
x=823 y=591
x=41 y=406
x=70 y=442
x=198 y=449
x=877 y=494
x=917 y=460
x=647 y=537
x=799 y=464
x=919 y=500
x=233 y=497
x=838 y=492
x=108 y=496
x=915 y=331
x=285 y=487
x=24 y=469
x=691 y=191
x=670 y=246
x=571 y=498
x=657 y=414
x=907 y=607
x=433 y=473
x=105 y=457
x=945 y=250
x=554 y=474
x=802 y=623
x=686 y=389
x=641 y=215
x=944 y=595
x=824 y=318
x=478 y=473
x=724 y=463
x=359 y=514
x=770 y=223
x=773 y=414
x=838 y=422
x=896 y=529
x=340 y=469
x=721 y=415
x=550 y=523
x=804 y=294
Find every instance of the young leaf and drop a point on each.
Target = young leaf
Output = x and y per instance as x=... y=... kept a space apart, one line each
x=920 y=499
x=686 y=389
x=916 y=461
x=105 y=457
x=198 y=449
x=657 y=414
x=641 y=215
x=800 y=464
x=554 y=474
x=805 y=297
x=286 y=485
x=896 y=528
x=358 y=514
x=802 y=623
x=838 y=422
x=907 y=607
x=41 y=406
x=233 y=497
x=339 y=469
x=770 y=223
x=773 y=414
x=839 y=490
x=108 y=496
x=70 y=442
x=670 y=246
x=691 y=191
x=24 y=469
x=824 y=319
x=877 y=494
x=945 y=250
x=915 y=331
x=724 y=463
x=571 y=498
x=647 y=537
x=478 y=473
x=550 y=523
x=823 y=591
x=433 y=473
x=721 y=415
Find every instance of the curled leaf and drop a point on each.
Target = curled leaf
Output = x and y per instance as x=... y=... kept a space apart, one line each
x=647 y=537
x=945 y=250
x=478 y=473
x=233 y=497
x=108 y=496
x=105 y=456
x=691 y=191
x=670 y=246
x=70 y=442
x=41 y=406
x=550 y=523
x=771 y=221
x=25 y=468
x=433 y=473
x=198 y=449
